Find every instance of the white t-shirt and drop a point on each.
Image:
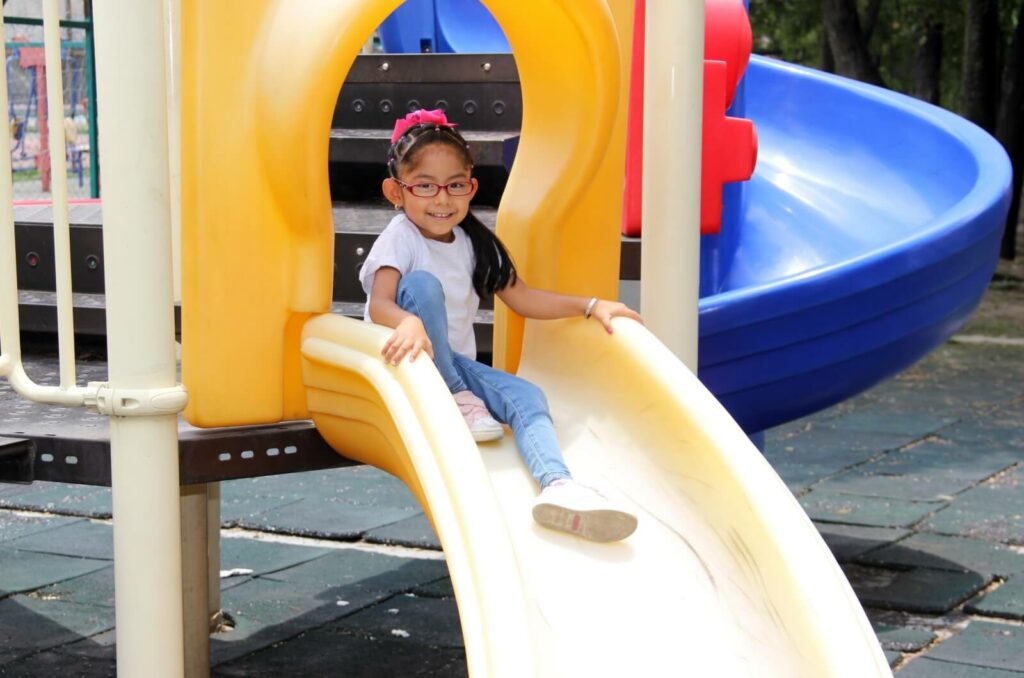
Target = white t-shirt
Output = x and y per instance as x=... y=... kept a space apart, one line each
x=403 y=247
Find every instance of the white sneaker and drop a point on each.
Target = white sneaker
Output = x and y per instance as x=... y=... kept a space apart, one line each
x=481 y=424
x=570 y=507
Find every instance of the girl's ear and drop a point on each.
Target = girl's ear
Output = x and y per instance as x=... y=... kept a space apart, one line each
x=392 y=191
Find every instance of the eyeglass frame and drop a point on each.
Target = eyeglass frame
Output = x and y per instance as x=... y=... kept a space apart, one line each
x=471 y=182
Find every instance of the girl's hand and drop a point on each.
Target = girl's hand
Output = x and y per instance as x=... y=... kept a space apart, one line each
x=409 y=338
x=605 y=310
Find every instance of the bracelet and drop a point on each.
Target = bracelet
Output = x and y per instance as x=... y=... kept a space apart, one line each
x=590 y=308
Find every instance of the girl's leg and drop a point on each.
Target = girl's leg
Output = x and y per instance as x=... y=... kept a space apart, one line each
x=421 y=293
x=522 y=406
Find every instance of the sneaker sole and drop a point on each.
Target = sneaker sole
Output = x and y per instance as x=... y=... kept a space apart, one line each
x=603 y=525
x=487 y=435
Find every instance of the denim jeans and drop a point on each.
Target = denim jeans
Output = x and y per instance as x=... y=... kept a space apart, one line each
x=511 y=400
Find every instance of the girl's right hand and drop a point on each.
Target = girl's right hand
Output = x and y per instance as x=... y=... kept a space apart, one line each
x=409 y=338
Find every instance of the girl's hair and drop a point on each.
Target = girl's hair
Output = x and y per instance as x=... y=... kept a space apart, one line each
x=493 y=269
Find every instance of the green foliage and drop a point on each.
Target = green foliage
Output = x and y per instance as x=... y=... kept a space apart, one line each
x=792 y=30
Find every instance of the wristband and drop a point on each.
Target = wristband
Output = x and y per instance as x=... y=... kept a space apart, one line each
x=590 y=308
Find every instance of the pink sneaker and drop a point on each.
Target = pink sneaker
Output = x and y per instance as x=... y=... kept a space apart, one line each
x=481 y=424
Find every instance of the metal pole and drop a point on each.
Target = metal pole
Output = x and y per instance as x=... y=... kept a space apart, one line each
x=673 y=90
x=132 y=94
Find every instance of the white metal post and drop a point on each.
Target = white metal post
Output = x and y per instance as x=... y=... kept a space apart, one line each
x=132 y=98
x=673 y=90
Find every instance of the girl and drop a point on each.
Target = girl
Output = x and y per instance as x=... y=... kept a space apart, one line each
x=424 y=277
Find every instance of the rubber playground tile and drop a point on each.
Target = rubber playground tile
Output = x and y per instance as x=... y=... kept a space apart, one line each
x=836 y=507
x=372 y=573
x=993 y=510
x=83 y=538
x=941 y=457
x=402 y=635
x=926 y=667
x=903 y=638
x=849 y=541
x=28 y=626
x=14 y=526
x=263 y=557
x=919 y=590
x=910 y=487
x=438 y=589
x=76 y=500
x=56 y=663
x=989 y=644
x=831 y=447
x=941 y=552
x=882 y=418
x=415 y=532
x=326 y=519
x=95 y=588
x=27 y=570
x=1007 y=601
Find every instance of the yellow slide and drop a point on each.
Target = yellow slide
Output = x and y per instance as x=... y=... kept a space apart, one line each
x=725 y=575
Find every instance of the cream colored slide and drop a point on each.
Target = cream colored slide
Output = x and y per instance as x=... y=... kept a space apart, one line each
x=725 y=575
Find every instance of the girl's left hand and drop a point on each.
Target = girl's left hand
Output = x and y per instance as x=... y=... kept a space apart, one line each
x=605 y=310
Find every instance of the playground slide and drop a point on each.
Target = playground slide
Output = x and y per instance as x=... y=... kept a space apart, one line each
x=724 y=575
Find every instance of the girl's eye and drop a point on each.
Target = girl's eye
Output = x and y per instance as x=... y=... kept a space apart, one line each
x=458 y=186
x=425 y=188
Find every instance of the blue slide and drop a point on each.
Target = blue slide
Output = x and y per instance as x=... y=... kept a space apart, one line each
x=865 y=239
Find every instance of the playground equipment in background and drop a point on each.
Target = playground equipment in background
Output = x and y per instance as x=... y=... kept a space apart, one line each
x=27 y=102
x=847 y=257
x=719 y=533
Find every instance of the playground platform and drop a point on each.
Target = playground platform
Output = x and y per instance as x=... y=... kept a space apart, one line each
x=916 y=485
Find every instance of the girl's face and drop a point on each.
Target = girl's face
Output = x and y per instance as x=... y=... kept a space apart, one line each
x=437 y=216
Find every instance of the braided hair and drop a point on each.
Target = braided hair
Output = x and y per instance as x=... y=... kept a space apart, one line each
x=493 y=269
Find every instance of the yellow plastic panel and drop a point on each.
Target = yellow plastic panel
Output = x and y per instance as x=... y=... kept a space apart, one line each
x=725 y=574
x=260 y=79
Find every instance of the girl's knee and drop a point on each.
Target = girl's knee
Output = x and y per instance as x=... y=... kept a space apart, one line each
x=420 y=287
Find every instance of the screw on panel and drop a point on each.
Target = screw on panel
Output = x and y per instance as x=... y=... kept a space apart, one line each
x=469 y=107
x=413 y=105
x=385 y=66
x=499 y=107
x=486 y=66
x=385 y=106
x=358 y=105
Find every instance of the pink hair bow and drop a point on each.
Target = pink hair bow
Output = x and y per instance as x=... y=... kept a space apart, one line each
x=417 y=117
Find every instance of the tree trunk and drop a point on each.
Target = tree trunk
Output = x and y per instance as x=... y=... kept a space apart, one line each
x=846 y=38
x=828 y=62
x=979 y=89
x=928 y=64
x=1010 y=128
x=870 y=19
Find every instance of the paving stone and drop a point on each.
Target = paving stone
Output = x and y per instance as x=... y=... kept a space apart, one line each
x=993 y=510
x=327 y=519
x=379 y=572
x=83 y=538
x=28 y=625
x=941 y=552
x=95 y=588
x=14 y=526
x=918 y=590
x=945 y=458
x=849 y=541
x=263 y=557
x=1006 y=601
x=835 y=507
x=982 y=643
x=926 y=667
x=26 y=570
x=416 y=532
x=831 y=449
x=903 y=638
x=78 y=500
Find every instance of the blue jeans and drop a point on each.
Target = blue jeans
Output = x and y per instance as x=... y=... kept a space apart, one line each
x=511 y=400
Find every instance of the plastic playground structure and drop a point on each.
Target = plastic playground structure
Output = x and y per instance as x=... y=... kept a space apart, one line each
x=725 y=574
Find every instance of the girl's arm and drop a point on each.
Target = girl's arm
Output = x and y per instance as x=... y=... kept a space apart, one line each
x=545 y=305
x=409 y=337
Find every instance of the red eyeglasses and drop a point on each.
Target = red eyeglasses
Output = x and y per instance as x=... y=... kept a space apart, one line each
x=426 y=189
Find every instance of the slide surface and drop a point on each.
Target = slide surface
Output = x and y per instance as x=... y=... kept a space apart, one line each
x=725 y=574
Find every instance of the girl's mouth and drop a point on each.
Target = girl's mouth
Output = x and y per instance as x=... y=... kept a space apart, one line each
x=441 y=215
